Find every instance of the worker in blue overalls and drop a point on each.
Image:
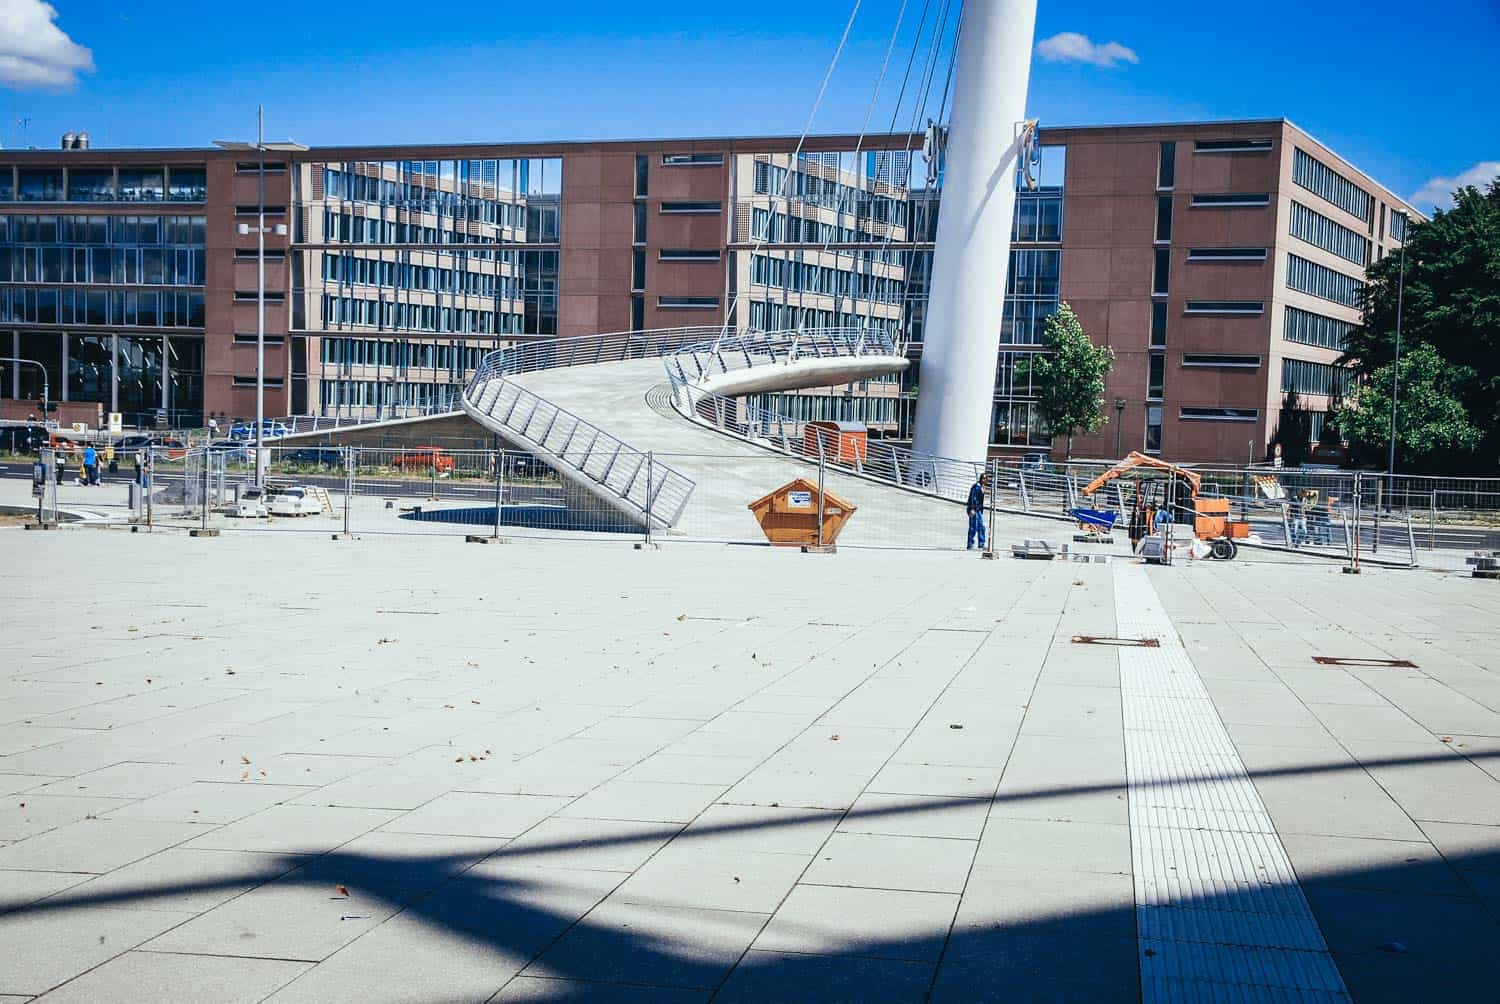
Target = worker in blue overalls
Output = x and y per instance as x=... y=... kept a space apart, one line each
x=975 y=509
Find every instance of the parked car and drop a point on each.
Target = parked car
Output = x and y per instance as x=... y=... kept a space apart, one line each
x=175 y=449
x=23 y=439
x=295 y=501
x=132 y=443
x=326 y=456
x=424 y=458
x=270 y=429
x=246 y=508
x=234 y=450
x=1036 y=462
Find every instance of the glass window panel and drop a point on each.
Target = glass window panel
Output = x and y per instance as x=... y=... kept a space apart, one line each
x=41 y=184
x=87 y=184
x=141 y=184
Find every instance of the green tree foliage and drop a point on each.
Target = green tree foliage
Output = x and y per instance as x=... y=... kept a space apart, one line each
x=1451 y=305
x=1432 y=426
x=1070 y=378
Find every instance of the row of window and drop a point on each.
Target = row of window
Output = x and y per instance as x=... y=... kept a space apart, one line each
x=766 y=315
x=538 y=316
x=1319 y=230
x=129 y=308
x=536 y=273
x=772 y=179
x=826 y=408
x=1320 y=179
x=805 y=277
x=338 y=395
x=401 y=354
x=1303 y=377
x=102 y=230
x=348 y=228
x=1320 y=281
x=103 y=184
x=502 y=208
x=1227 y=254
x=784 y=229
x=399 y=181
x=1230 y=200
x=1314 y=329
x=687 y=302
x=134 y=266
x=138 y=373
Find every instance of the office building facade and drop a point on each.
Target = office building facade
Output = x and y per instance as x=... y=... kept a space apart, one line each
x=1223 y=262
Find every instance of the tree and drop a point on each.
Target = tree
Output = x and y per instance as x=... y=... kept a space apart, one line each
x=1070 y=378
x=1451 y=303
x=1432 y=425
x=1293 y=431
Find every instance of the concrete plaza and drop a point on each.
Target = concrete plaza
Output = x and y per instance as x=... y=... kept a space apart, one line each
x=276 y=767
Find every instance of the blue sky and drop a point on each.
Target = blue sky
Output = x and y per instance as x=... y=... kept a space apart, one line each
x=1405 y=98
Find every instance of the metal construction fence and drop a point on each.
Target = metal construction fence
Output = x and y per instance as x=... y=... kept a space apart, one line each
x=1334 y=515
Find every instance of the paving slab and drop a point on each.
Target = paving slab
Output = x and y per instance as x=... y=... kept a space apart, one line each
x=159 y=976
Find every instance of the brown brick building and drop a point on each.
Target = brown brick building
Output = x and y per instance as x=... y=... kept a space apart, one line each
x=1222 y=261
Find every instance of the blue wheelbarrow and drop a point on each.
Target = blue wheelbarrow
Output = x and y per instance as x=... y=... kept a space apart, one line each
x=1098 y=522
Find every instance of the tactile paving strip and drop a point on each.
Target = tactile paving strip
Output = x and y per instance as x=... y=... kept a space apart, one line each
x=1219 y=913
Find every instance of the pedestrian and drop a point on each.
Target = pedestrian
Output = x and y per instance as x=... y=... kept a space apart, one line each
x=140 y=466
x=1298 y=516
x=975 y=509
x=90 y=465
x=1322 y=525
x=109 y=459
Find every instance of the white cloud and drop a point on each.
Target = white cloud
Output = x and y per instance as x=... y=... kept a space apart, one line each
x=35 y=52
x=1438 y=192
x=1071 y=47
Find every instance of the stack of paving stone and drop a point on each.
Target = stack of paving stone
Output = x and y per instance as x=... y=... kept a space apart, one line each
x=1486 y=565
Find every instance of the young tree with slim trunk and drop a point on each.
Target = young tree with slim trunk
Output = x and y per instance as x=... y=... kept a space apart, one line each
x=1432 y=427
x=1070 y=378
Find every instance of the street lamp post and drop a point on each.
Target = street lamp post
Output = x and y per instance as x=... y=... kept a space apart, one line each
x=46 y=387
x=1119 y=422
x=260 y=146
x=1396 y=366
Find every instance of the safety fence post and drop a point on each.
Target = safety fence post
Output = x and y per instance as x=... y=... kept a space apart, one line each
x=994 y=479
x=822 y=468
x=650 y=493
x=499 y=488
x=348 y=487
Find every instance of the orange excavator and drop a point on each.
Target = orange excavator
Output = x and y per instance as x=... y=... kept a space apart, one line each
x=1211 y=518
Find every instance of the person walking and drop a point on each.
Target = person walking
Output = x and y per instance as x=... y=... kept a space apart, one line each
x=975 y=509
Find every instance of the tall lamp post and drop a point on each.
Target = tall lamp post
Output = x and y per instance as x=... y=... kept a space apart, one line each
x=260 y=146
x=46 y=388
x=1396 y=366
x=1119 y=421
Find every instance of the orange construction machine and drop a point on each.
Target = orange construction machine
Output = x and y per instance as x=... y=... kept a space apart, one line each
x=1211 y=519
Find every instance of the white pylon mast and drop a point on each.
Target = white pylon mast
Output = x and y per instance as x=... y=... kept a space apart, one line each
x=972 y=255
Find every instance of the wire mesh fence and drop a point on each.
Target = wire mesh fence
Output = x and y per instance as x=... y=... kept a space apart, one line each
x=1336 y=515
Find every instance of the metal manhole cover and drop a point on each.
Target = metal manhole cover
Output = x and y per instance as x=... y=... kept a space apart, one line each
x=1088 y=639
x=1328 y=660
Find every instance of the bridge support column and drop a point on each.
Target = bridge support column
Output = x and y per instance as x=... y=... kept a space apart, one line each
x=972 y=256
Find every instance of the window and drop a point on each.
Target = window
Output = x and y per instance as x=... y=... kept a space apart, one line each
x=142 y=184
x=187 y=184
x=688 y=254
x=1308 y=328
x=252 y=254
x=642 y=173
x=255 y=210
x=244 y=338
x=638 y=233
x=1153 y=428
x=1161 y=271
x=1219 y=414
x=1322 y=180
x=637 y=271
x=1320 y=231
x=1159 y=324
x=249 y=381
x=691 y=159
x=637 y=313
x=1303 y=377
x=1398 y=225
x=1222 y=361
x=1318 y=280
x=1163 y=218
x=1232 y=145
x=1227 y=254
x=1166 y=165
x=687 y=302
x=1225 y=307
x=41 y=184
x=91 y=184
x=692 y=208
x=250 y=296
x=1231 y=199
x=1157 y=377
x=253 y=167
